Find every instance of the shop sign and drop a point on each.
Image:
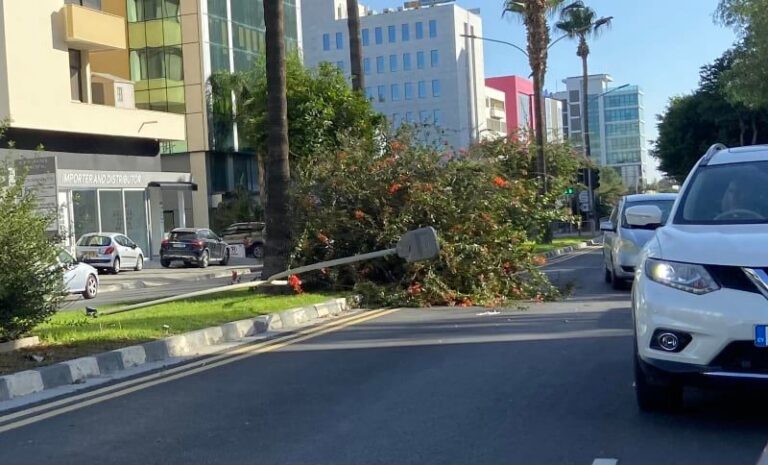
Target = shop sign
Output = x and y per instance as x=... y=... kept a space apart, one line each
x=41 y=179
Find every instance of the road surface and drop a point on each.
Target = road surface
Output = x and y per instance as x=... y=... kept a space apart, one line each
x=550 y=385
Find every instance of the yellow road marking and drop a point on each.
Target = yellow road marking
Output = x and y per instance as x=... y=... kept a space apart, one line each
x=111 y=392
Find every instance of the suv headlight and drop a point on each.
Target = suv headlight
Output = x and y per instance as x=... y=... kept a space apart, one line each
x=686 y=277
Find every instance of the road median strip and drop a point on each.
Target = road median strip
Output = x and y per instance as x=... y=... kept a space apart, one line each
x=106 y=288
x=172 y=349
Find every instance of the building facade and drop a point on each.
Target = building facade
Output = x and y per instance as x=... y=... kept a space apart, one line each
x=420 y=65
x=86 y=147
x=616 y=125
x=520 y=115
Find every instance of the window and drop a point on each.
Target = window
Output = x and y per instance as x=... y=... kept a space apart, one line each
x=340 y=65
x=367 y=66
x=420 y=60
x=395 y=91
x=437 y=117
x=424 y=116
x=406 y=32
x=339 y=40
x=432 y=28
x=392 y=63
x=326 y=42
x=76 y=75
x=409 y=117
x=436 y=88
x=434 y=58
x=408 y=91
x=366 y=37
x=392 y=34
x=119 y=94
x=382 y=90
x=379 y=65
x=406 y=61
x=369 y=93
x=422 y=89
x=419 y=30
x=626 y=114
x=379 y=36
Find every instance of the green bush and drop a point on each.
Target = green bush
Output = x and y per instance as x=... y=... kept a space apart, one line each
x=483 y=203
x=31 y=282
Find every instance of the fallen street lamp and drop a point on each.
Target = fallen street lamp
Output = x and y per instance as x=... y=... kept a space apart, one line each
x=414 y=246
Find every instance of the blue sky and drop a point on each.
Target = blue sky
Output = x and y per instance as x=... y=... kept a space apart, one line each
x=657 y=44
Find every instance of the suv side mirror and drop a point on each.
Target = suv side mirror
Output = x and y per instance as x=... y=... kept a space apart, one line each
x=607 y=226
x=647 y=216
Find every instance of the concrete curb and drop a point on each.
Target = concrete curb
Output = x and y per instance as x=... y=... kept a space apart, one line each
x=570 y=249
x=189 y=344
x=143 y=284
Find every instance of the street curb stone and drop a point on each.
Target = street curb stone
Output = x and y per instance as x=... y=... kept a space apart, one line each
x=181 y=345
x=569 y=249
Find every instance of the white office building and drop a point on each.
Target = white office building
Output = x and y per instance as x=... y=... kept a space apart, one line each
x=418 y=66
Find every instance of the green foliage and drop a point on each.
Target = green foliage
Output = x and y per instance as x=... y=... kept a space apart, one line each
x=692 y=123
x=322 y=109
x=237 y=207
x=31 y=282
x=482 y=202
x=611 y=190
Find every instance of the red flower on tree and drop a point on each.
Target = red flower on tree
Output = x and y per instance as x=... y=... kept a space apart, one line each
x=322 y=238
x=394 y=188
x=500 y=182
x=414 y=289
x=359 y=215
x=295 y=284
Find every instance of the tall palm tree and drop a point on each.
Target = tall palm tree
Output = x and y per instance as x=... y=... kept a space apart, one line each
x=278 y=240
x=579 y=22
x=534 y=14
x=355 y=46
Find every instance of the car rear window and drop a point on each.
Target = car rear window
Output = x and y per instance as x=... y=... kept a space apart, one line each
x=94 y=241
x=183 y=236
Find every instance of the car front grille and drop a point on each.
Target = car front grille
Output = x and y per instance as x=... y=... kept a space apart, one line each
x=732 y=277
x=742 y=356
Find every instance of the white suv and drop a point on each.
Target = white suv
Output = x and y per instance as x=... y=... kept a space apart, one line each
x=700 y=298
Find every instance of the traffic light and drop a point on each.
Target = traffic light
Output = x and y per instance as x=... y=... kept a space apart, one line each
x=595 y=179
x=569 y=191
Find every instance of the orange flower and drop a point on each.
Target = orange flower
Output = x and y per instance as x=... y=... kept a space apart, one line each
x=295 y=284
x=359 y=215
x=466 y=302
x=395 y=187
x=322 y=238
x=498 y=181
x=414 y=289
x=539 y=260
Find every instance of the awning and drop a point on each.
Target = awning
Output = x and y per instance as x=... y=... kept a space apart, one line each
x=174 y=186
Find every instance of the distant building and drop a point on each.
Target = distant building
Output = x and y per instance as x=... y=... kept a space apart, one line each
x=418 y=66
x=519 y=111
x=616 y=125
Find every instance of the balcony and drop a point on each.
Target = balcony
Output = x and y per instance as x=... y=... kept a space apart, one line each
x=89 y=29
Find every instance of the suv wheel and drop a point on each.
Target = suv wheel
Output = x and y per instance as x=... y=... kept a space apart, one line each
x=116 y=265
x=257 y=251
x=224 y=261
x=202 y=262
x=165 y=263
x=656 y=395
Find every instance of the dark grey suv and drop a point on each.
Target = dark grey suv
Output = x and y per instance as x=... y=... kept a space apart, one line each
x=194 y=246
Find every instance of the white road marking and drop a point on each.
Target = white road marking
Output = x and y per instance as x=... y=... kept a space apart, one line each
x=605 y=462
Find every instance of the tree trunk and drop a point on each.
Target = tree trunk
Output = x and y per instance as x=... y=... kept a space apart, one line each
x=742 y=130
x=278 y=240
x=355 y=46
x=585 y=107
x=538 y=110
x=261 y=162
x=754 y=131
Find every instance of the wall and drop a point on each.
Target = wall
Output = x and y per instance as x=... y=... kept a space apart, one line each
x=36 y=94
x=114 y=62
x=512 y=86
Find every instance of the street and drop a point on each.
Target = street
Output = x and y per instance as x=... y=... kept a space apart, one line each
x=548 y=385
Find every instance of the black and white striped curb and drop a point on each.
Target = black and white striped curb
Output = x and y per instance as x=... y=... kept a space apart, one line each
x=174 y=348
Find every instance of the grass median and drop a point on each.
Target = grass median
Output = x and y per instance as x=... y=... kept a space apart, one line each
x=559 y=243
x=70 y=335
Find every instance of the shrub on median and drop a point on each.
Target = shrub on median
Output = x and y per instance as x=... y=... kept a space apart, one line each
x=484 y=204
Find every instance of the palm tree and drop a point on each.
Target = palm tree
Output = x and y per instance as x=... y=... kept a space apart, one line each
x=533 y=14
x=578 y=22
x=278 y=240
x=355 y=46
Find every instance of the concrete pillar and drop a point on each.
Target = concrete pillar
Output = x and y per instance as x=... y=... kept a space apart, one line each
x=199 y=173
x=156 y=220
x=182 y=209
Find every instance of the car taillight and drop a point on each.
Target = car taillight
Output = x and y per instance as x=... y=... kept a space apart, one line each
x=199 y=244
x=109 y=250
x=164 y=243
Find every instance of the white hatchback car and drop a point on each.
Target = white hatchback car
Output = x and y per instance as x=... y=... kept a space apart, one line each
x=79 y=278
x=110 y=251
x=622 y=242
x=700 y=299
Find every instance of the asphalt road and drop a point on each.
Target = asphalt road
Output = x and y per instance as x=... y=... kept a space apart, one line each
x=549 y=385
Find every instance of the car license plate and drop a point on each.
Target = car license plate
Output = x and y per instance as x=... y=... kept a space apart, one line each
x=179 y=246
x=761 y=335
x=89 y=254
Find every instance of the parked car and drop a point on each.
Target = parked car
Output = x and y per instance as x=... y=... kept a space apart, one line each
x=109 y=251
x=622 y=242
x=79 y=278
x=700 y=298
x=250 y=235
x=194 y=245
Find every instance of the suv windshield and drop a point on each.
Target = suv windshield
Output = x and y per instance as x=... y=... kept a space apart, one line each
x=94 y=241
x=734 y=193
x=664 y=205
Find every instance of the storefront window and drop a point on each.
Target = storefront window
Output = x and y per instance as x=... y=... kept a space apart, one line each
x=111 y=210
x=136 y=218
x=85 y=212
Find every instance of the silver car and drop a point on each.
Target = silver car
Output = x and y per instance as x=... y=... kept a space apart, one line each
x=109 y=251
x=79 y=278
x=622 y=242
